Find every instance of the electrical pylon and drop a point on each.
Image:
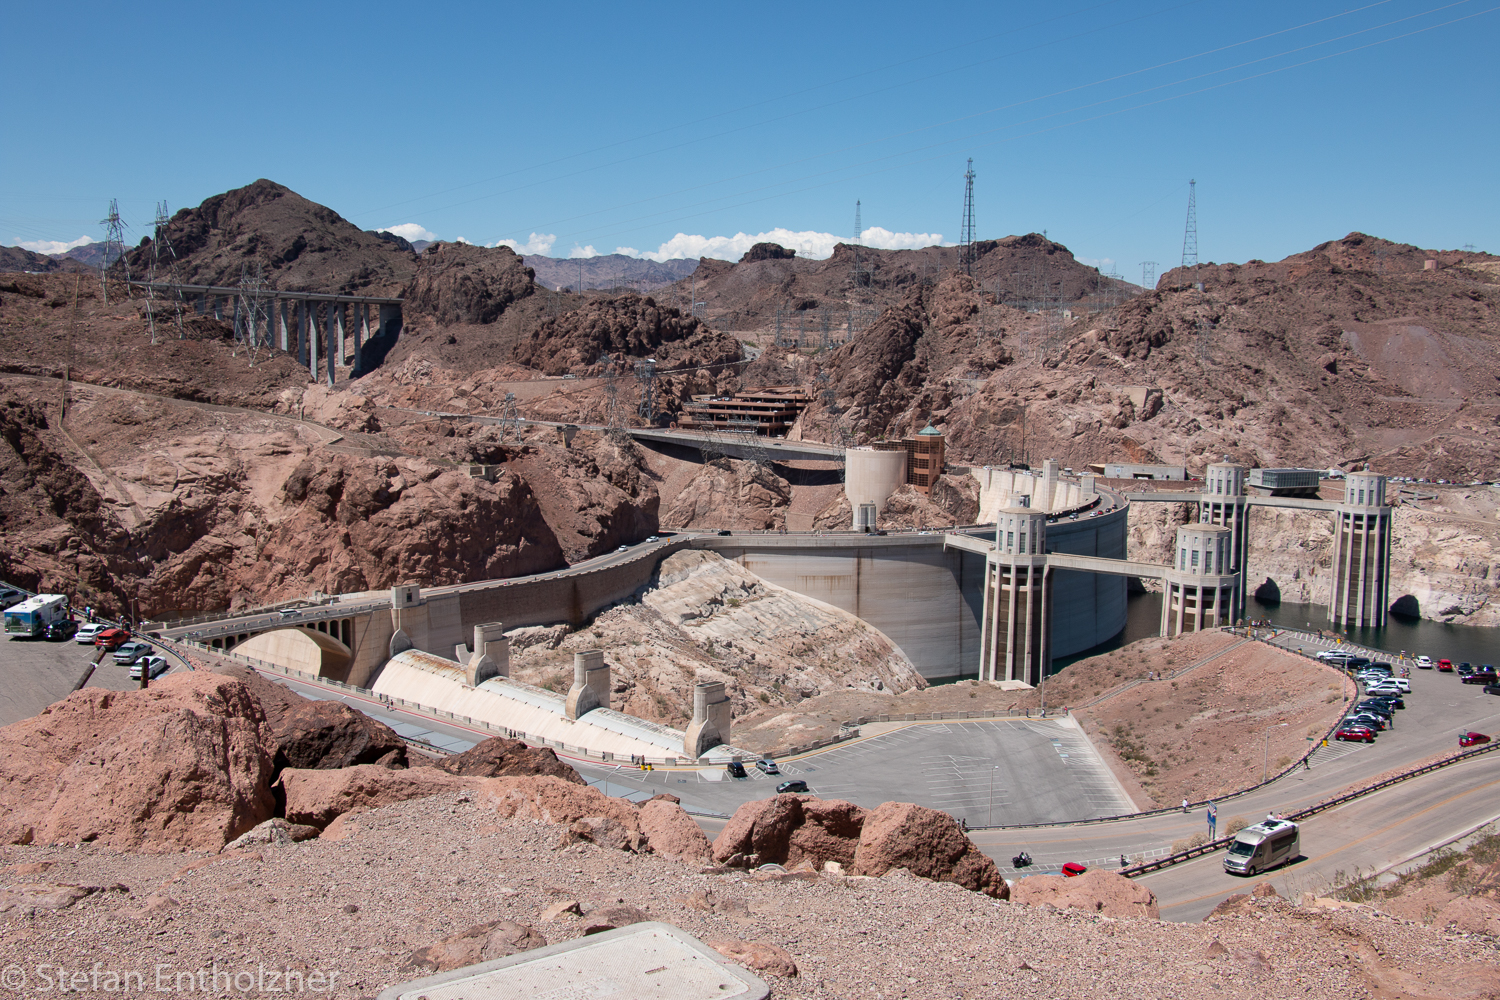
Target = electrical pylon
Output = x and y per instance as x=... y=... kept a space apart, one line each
x=966 y=237
x=114 y=237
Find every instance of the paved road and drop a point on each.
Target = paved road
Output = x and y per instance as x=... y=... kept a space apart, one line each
x=37 y=673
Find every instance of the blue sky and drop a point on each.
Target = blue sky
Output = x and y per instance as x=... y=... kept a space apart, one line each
x=677 y=129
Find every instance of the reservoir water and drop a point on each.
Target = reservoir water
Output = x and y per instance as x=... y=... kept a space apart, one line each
x=1477 y=644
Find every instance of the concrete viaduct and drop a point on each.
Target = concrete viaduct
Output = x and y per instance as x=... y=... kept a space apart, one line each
x=314 y=327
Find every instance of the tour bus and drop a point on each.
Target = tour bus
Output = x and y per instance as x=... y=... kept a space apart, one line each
x=32 y=616
x=1264 y=845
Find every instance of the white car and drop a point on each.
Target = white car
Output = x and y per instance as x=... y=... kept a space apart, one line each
x=156 y=664
x=87 y=633
x=1424 y=663
x=1390 y=684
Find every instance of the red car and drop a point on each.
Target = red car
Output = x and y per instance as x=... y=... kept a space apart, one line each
x=1073 y=868
x=1359 y=734
x=1446 y=666
x=111 y=638
x=1472 y=739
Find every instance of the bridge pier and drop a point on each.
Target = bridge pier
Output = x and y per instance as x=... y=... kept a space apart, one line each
x=1199 y=592
x=1361 y=553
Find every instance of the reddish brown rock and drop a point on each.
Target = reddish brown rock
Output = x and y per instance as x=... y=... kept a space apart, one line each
x=605 y=832
x=320 y=735
x=607 y=918
x=671 y=832
x=480 y=943
x=464 y=283
x=756 y=956
x=729 y=493
x=1096 y=891
x=315 y=798
x=498 y=757
x=185 y=765
x=762 y=828
x=926 y=843
x=829 y=832
x=553 y=800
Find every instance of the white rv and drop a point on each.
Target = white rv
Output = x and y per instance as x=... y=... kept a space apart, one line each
x=32 y=616
x=1264 y=845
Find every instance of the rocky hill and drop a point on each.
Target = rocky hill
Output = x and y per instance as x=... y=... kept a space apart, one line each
x=607 y=271
x=17 y=259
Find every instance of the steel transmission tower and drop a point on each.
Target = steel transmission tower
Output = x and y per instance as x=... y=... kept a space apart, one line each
x=1148 y=274
x=859 y=232
x=1190 y=237
x=162 y=261
x=966 y=237
x=114 y=241
x=646 y=373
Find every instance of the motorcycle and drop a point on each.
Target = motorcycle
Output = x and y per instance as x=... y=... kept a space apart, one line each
x=1022 y=860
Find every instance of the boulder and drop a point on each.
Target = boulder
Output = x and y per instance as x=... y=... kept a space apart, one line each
x=829 y=833
x=185 y=764
x=315 y=797
x=498 y=757
x=605 y=832
x=318 y=734
x=480 y=943
x=554 y=800
x=762 y=828
x=274 y=832
x=756 y=956
x=671 y=832
x=607 y=918
x=926 y=843
x=1096 y=891
x=767 y=251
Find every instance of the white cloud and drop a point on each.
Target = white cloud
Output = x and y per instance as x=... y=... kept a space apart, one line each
x=54 y=246
x=807 y=243
x=536 y=244
x=411 y=232
x=587 y=251
x=627 y=251
x=461 y=239
x=1104 y=264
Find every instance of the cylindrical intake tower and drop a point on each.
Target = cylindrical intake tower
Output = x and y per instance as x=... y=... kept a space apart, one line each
x=1015 y=640
x=1201 y=590
x=1224 y=504
x=1361 y=553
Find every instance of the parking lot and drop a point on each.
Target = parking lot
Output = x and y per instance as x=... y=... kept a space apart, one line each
x=36 y=673
x=1008 y=771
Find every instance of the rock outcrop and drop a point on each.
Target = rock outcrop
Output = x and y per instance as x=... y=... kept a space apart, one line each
x=183 y=765
x=317 y=798
x=625 y=326
x=730 y=493
x=463 y=283
x=791 y=830
x=926 y=843
x=320 y=735
x=498 y=757
x=1095 y=891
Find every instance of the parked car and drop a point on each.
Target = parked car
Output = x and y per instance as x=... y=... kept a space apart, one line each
x=1400 y=684
x=1379 y=708
x=1334 y=654
x=1445 y=666
x=87 y=633
x=1464 y=669
x=795 y=785
x=60 y=630
x=1480 y=676
x=1472 y=739
x=735 y=769
x=155 y=664
x=1367 y=719
x=112 y=638
x=1355 y=734
x=132 y=651
x=1424 y=663
x=767 y=767
x=1391 y=698
x=1073 y=868
x=1492 y=689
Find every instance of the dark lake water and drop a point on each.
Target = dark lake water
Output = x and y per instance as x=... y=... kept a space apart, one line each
x=1414 y=635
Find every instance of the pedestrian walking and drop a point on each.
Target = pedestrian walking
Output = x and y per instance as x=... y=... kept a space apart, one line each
x=1184 y=807
x=1213 y=820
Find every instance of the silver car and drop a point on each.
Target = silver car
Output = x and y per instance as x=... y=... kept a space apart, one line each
x=156 y=666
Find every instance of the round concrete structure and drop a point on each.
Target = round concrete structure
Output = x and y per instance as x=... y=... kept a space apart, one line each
x=871 y=476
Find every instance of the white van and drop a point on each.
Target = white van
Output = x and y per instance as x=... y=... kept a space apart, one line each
x=1264 y=845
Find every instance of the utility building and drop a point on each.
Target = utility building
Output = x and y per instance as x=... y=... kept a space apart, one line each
x=770 y=411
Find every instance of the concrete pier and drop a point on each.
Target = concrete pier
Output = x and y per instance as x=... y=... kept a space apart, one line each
x=711 y=719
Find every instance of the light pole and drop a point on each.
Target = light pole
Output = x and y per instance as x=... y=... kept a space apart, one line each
x=1266 y=767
